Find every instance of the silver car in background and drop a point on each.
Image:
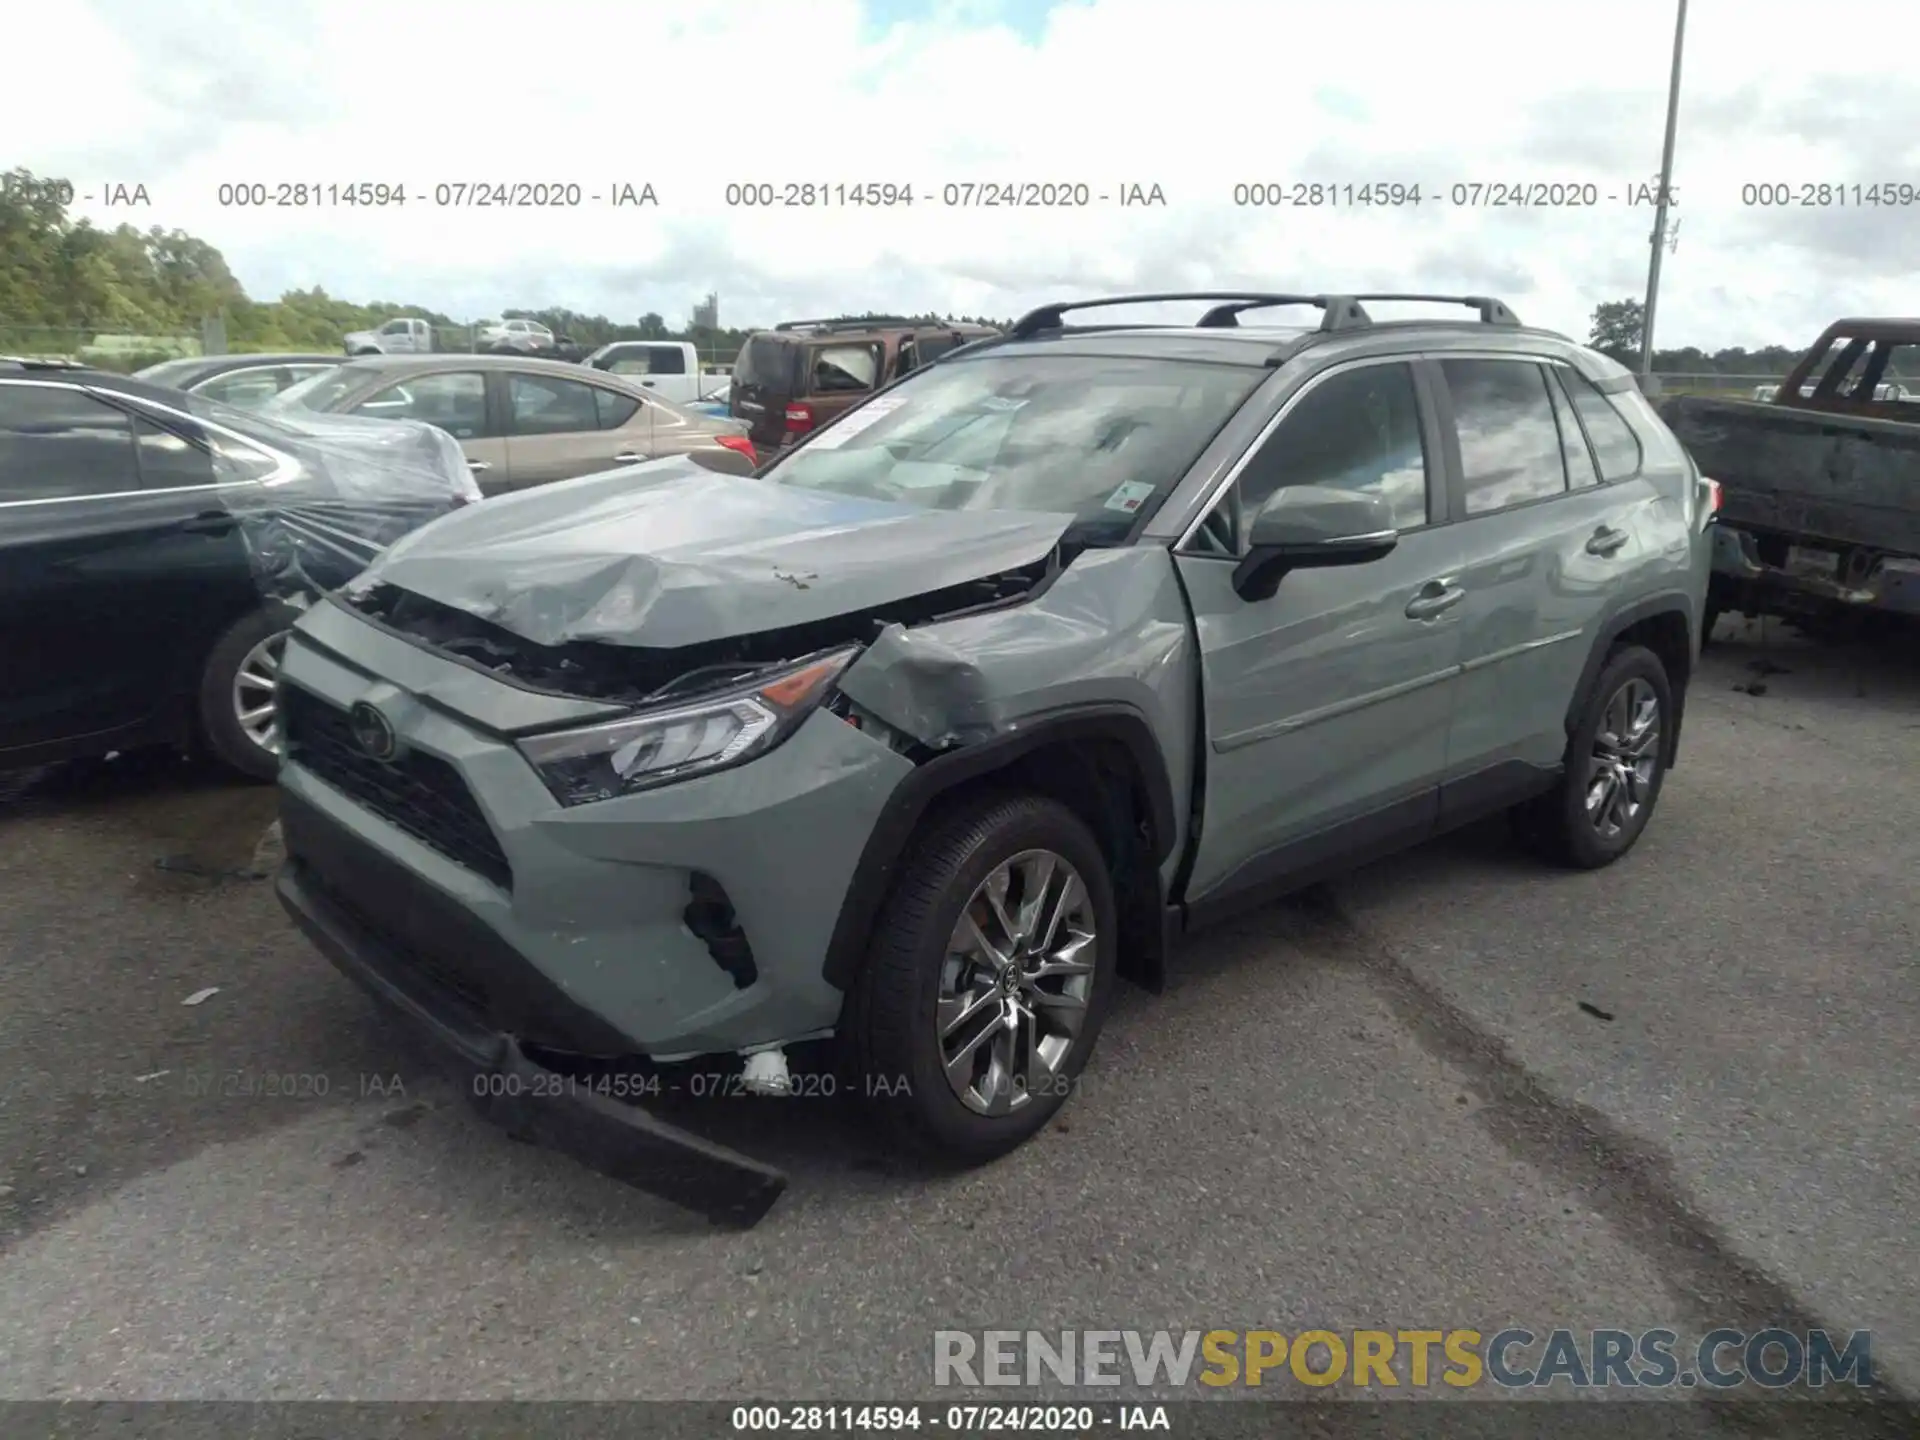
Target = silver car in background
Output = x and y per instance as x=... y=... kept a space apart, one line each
x=523 y=422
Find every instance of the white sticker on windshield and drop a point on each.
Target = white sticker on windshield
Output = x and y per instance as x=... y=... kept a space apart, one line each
x=1130 y=496
x=848 y=426
x=1000 y=403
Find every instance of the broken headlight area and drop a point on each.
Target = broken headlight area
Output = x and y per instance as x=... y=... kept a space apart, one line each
x=659 y=747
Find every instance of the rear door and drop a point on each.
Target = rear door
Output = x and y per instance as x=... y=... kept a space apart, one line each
x=1548 y=542
x=558 y=428
x=460 y=403
x=766 y=379
x=118 y=563
x=1327 y=704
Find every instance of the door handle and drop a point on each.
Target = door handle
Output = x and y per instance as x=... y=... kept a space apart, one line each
x=629 y=457
x=649 y=385
x=1434 y=597
x=1606 y=541
x=478 y=465
x=208 y=522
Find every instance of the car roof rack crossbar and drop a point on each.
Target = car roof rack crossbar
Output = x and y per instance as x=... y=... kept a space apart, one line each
x=1492 y=311
x=1340 y=311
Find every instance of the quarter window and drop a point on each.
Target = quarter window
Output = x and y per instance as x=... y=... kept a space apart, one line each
x=1509 y=443
x=56 y=443
x=1615 y=448
x=167 y=461
x=1357 y=430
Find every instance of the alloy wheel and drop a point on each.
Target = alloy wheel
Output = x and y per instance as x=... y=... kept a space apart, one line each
x=1016 y=983
x=253 y=686
x=1625 y=759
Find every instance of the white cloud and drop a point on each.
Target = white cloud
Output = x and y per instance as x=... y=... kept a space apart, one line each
x=1193 y=97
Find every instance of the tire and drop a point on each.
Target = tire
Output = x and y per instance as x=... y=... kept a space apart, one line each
x=221 y=732
x=1560 y=824
x=890 y=1036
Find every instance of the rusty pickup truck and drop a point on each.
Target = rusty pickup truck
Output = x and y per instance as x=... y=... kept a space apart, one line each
x=1820 y=510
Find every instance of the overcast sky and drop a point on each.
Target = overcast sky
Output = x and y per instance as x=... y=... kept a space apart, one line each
x=1194 y=96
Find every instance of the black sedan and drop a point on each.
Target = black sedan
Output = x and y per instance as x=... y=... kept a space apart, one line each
x=246 y=381
x=154 y=548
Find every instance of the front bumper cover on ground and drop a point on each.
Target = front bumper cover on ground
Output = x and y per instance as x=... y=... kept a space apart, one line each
x=529 y=1101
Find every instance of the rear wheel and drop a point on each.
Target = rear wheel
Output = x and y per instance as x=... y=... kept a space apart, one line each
x=988 y=979
x=236 y=701
x=1614 y=767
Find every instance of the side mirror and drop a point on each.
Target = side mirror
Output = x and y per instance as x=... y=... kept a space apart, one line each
x=1307 y=527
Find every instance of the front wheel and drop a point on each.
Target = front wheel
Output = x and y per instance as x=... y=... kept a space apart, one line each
x=988 y=980
x=237 y=710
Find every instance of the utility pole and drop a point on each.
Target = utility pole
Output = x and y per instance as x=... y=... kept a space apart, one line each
x=1659 y=239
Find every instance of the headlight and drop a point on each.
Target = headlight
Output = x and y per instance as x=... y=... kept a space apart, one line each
x=623 y=756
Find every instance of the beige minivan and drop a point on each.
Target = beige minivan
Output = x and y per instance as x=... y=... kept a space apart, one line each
x=525 y=422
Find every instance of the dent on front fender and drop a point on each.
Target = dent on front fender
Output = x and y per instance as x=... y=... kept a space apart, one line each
x=1113 y=628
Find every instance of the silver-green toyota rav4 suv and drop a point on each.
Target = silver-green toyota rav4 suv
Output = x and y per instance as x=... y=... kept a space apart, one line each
x=967 y=707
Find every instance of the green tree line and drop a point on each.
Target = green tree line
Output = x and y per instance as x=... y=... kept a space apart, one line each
x=65 y=281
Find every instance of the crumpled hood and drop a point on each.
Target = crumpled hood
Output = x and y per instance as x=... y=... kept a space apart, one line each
x=670 y=553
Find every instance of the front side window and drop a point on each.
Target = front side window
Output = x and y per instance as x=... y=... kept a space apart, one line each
x=1100 y=439
x=1356 y=430
x=546 y=405
x=456 y=401
x=57 y=443
x=1509 y=443
x=395 y=327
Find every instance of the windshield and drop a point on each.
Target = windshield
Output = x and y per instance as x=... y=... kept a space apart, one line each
x=768 y=362
x=317 y=392
x=1100 y=438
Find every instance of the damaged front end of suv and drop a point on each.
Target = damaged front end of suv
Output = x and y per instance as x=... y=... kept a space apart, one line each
x=525 y=800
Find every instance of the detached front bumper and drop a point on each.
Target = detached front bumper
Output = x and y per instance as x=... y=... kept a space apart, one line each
x=1812 y=577
x=530 y=1102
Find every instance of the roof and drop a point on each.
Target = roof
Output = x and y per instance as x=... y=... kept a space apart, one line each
x=463 y=359
x=1220 y=336
x=869 y=327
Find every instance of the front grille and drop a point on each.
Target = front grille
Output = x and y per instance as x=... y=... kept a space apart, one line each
x=420 y=794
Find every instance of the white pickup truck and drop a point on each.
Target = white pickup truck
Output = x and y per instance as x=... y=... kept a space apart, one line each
x=672 y=367
x=403 y=336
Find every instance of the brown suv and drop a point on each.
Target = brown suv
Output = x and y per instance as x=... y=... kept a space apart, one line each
x=799 y=375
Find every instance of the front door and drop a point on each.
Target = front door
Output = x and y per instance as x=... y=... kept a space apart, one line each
x=1327 y=704
x=456 y=401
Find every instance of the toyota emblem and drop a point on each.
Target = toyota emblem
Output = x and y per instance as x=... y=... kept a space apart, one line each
x=372 y=732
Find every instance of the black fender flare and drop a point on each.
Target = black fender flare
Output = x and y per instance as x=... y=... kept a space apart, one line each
x=1672 y=602
x=879 y=860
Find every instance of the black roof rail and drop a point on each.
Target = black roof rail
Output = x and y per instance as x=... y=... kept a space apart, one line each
x=1492 y=311
x=1341 y=312
x=851 y=322
x=38 y=362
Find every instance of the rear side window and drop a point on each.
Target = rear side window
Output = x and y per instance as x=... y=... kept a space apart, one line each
x=1615 y=448
x=57 y=443
x=1509 y=443
x=844 y=369
x=545 y=405
x=613 y=410
x=168 y=462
